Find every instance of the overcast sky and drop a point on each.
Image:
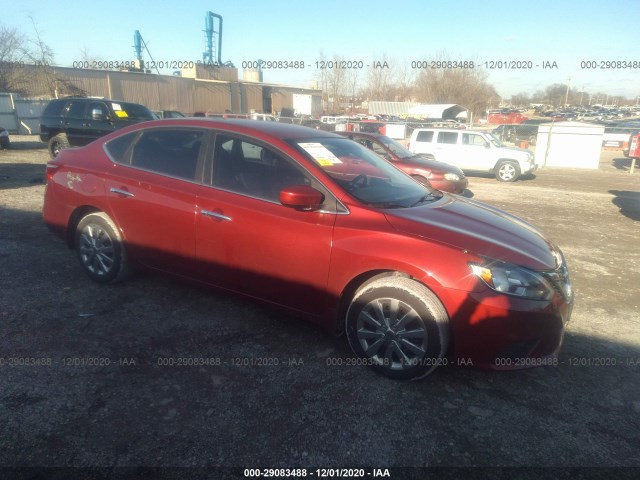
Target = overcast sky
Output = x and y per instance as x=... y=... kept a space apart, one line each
x=567 y=33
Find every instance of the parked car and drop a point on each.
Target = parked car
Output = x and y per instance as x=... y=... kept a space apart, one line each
x=516 y=133
x=473 y=151
x=424 y=169
x=77 y=121
x=319 y=225
x=159 y=114
x=264 y=117
x=627 y=146
x=5 y=142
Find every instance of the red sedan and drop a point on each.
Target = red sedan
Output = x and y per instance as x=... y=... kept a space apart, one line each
x=427 y=171
x=314 y=223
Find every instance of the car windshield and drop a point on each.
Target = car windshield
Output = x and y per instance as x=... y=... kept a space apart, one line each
x=365 y=175
x=495 y=140
x=399 y=150
x=131 y=111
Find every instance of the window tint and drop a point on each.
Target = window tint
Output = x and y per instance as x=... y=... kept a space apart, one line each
x=448 y=137
x=101 y=106
x=168 y=151
x=118 y=147
x=75 y=109
x=253 y=170
x=54 y=108
x=473 y=139
x=131 y=111
x=379 y=150
x=425 y=136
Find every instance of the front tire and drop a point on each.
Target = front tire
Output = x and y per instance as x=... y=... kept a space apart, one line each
x=57 y=143
x=399 y=327
x=100 y=249
x=507 y=171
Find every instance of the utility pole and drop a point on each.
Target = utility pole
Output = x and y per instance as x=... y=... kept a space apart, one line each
x=566 y=97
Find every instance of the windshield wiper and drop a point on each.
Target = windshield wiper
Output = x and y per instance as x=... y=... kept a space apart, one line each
x=424 y=198
x=388 y=205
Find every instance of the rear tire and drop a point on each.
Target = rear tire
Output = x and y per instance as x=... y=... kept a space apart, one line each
x=58 y=143
x=100 y=249
x=507 y=171
x=398 y=327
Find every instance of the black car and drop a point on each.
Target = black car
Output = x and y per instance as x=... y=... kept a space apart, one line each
x=4 y=138
x=518 y=132
x=77 y=121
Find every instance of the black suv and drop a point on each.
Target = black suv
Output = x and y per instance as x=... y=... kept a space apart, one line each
x=76 y=121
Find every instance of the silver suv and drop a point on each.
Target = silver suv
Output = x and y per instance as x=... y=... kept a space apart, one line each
x=472 y=150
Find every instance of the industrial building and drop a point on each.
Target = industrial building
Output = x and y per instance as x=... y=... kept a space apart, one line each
x=200 y=89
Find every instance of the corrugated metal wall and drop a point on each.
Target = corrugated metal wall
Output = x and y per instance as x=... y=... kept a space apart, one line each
x=390 y=108
x=162 y=92
x=8 y=118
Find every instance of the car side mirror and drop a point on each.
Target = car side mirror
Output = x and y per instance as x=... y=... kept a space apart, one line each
x=301 y=197
x=98 y=114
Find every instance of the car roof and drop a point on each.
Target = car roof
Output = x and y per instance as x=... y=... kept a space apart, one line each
x=284 y=131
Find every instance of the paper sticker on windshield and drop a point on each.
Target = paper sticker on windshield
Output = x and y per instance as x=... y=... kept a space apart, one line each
x=116 y=106
x=320 y=154
x=121 y=113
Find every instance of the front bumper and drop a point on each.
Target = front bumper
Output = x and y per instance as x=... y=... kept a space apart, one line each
x=450 y=186
x=500 y=332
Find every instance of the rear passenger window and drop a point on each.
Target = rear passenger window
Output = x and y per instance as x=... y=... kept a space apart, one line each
x=448 y=137
x=118 y=148
x=473 y=139
x=424 y=136
x=54 y=108
x=168 y=151
x=75 y=109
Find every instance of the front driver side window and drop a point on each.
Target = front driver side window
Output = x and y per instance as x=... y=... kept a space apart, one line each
x=253 y=170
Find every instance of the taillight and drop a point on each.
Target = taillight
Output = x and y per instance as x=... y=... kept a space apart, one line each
x=51 y=169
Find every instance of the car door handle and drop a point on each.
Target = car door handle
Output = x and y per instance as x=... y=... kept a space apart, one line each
x=209 y=213
x=121 y=192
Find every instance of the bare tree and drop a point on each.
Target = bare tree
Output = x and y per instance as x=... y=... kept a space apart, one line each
x=334 y=81
x=467 y=87
x=352 y=85
x=520 y=100
x=13 y=56
x=25 y=62
x=41 y=55
x=380 y=80
x=89 y=58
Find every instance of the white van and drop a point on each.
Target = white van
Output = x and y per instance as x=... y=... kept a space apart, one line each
x=472 y=150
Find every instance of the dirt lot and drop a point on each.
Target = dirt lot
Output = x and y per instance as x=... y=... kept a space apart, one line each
x=131 y=411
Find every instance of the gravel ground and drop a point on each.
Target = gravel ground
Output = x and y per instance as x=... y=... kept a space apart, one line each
x=131 y=411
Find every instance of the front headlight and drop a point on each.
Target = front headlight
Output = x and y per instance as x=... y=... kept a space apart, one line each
x=452 y=177
x=513 y=280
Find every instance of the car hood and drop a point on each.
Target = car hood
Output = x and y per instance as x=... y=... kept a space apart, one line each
x=435 y=164
x=480 y=229
x=522 y=151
